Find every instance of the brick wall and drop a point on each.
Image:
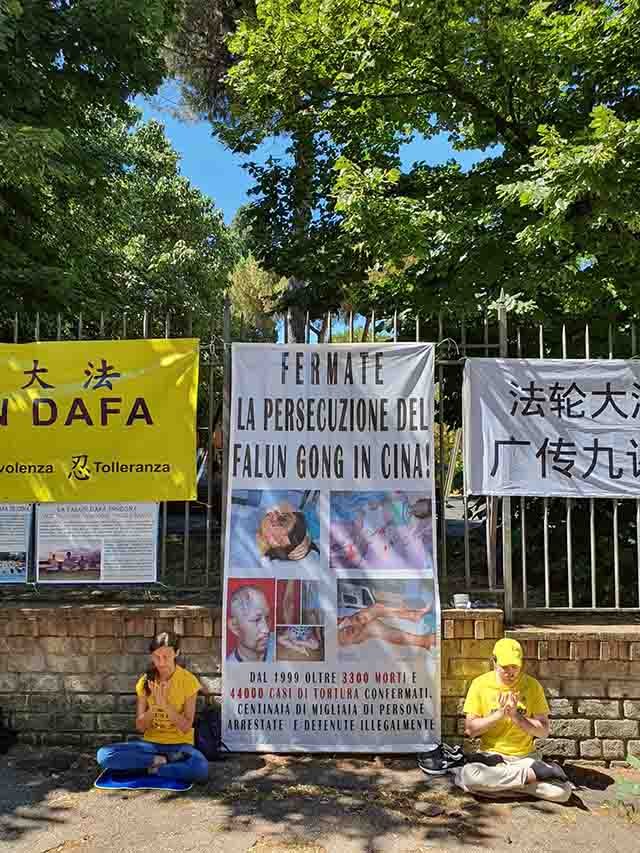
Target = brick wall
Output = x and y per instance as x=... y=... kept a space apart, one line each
x=468 y=637
x=67 y=674
x=592 y=680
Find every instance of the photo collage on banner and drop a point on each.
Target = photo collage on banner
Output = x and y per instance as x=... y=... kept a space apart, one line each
x=331 y=608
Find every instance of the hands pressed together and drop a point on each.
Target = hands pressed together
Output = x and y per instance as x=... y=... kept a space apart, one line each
x=160 y=694
x=509 y=705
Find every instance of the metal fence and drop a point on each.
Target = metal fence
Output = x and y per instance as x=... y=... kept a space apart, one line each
x=189 y=557
x=528 y=554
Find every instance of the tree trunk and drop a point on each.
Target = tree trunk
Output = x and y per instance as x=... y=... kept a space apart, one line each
x=304 y=161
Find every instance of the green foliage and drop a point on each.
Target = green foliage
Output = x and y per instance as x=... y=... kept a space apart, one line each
x=547 y=89
x=134 y=235
x=253 y=292
x=67 y=72
x=295 y=228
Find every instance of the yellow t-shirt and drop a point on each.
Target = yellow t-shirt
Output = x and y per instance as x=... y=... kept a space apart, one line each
x=182 y=685
x=505 y=736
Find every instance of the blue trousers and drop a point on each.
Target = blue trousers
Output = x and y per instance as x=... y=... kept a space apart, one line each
x=139 y=755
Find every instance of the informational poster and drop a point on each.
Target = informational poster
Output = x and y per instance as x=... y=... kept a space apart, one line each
x=551 y=427
x=97 y=543
x=98 y=421
x=15 y=538
x=331 y=609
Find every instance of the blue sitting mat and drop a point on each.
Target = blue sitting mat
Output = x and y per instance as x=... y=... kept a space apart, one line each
x=113 y=780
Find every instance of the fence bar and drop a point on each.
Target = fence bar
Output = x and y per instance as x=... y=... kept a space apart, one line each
x=210 y=426
x=351 y=326
x=614 y=502
x=373 y=327
x=486 y=334
x=417 y=329
x=186 y=540
x=16 y=328
x=101 y=325
x=80 y=327
x=540 y=341
x=523 y=511
x=569 y=527
x=547 y=590
x=465 y=499
x=592 y=549
x=587 y=341
x=638 y=544
x=610 y=341
x=523 y=531
x=37 y=327
x=124 y=326
x=59 y=327
x=568 y=506
x=329 y=325
x=545 y=501
x=592 y=504
x=616 y=555
x=395 y=327
x=226 y=426
x=145 y=324
x=163 y=505
x=441 y=468
x=307 y=333
x=507 y=552
x=285 y=331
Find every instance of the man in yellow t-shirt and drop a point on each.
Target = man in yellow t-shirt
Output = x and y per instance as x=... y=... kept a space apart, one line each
x=507 y=710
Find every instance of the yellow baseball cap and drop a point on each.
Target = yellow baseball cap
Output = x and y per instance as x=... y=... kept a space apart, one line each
x=508 y=652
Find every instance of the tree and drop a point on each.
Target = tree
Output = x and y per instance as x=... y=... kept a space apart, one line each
x=292 y=216
x=146 y=240
x=253 y=292
x=490 y=75
x=66 y=70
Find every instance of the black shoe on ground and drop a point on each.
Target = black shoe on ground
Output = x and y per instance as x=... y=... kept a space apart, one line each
x=440 y=761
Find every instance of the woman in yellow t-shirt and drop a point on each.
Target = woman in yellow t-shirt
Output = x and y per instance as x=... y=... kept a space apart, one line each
x=165 y=712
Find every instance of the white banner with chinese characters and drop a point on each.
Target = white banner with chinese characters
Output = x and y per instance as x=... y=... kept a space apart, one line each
x=551 y=427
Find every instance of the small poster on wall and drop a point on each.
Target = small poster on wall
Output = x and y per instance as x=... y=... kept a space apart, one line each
x=15 y=539
x=97 y=543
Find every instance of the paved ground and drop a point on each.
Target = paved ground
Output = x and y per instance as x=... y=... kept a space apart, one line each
x=278 y=804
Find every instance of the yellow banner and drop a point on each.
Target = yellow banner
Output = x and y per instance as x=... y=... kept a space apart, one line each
x=98 y=421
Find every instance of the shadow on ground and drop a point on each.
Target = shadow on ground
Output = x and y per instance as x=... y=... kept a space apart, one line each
x=289 y=803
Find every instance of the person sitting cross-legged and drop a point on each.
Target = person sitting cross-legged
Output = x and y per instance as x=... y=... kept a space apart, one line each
x=507 y=709
x=165 y=711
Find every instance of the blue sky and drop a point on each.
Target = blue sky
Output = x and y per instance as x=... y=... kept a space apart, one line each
x=219 y=173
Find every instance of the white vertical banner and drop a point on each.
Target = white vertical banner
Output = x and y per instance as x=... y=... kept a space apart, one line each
x=331 y=635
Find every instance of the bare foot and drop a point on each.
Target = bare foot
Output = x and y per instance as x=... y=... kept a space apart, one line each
x=158 y=761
